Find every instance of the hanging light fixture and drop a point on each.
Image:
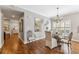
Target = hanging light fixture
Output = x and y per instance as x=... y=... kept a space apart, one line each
x=57 y=19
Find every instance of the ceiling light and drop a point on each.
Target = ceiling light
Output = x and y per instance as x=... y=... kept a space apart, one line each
x=57 y=18
x=13 y=16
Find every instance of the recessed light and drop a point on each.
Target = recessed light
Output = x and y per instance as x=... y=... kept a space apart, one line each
x=5 y=18
x=13 y=16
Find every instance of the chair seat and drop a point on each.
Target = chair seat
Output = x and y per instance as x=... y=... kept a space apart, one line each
x=31 y=38
x=64 y=40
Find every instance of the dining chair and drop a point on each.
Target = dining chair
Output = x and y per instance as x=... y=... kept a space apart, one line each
x=29 y=36
x=68 y=41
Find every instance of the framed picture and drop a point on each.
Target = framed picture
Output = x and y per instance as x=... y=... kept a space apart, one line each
x=37 y=24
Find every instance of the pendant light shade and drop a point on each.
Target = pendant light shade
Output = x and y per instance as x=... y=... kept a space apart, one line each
x=57 y=18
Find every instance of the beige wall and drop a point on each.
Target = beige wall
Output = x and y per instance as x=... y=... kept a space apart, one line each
x=74 y=24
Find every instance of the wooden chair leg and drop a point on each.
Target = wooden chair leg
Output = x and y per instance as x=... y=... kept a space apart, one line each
x=71 y=47
x=68 y=48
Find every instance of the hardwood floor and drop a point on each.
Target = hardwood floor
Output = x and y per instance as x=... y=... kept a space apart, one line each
x=75 y=47
x=13 y=45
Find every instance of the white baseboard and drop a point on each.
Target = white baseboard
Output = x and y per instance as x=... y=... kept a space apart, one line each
x=2 y=44
x=33 y=41
x=21 y=39
x=25 y=42
x=75 y=40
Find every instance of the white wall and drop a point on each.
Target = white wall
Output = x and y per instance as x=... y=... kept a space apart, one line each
x=14 y=24
x=29 y=24
x=74 y=24
x=47 y=23
x=1 y=32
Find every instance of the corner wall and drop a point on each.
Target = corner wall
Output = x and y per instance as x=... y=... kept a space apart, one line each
x=1 y=32
x=74 y=24
x=29 y=25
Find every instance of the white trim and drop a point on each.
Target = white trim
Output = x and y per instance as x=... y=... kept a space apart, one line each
x=75 y=40
x=25 y=42
x=34 y=40
x=21 y=39
x=2 y=44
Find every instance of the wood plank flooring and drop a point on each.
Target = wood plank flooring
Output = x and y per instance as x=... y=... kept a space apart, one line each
x=13 y=45
x=75 y=47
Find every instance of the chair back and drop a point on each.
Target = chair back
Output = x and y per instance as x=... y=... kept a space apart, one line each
x=29 y=33
x=70 y=36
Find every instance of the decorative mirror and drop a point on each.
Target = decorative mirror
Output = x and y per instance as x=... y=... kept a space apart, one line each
x=37 y=24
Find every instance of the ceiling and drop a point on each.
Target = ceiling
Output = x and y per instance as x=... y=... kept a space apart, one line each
x=50 y=10
x=10 y=13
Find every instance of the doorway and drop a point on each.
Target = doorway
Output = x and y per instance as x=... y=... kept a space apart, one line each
x=21 y=28
x=11 y=22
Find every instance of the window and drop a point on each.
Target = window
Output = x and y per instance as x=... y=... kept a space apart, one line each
x=62 y=27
